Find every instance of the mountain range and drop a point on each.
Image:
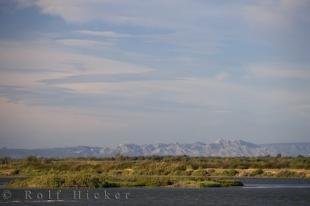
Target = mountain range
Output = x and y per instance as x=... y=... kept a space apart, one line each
x=222 y=147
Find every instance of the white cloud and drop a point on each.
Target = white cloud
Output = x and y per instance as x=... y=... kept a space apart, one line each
x=46 y=61
x=34 y=61
x=105 y=34
x=84 y=43
x=194 y=92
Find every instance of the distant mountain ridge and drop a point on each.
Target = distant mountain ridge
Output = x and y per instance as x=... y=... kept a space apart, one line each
x=222 y=147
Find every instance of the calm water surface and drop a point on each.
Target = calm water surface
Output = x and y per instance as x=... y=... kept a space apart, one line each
x=255 y=192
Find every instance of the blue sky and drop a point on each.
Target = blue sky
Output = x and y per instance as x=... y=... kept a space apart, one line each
x=108 y=72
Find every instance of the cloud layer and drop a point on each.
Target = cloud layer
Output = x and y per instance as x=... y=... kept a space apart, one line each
x=110 y=72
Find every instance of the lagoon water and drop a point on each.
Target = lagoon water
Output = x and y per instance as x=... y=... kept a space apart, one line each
x=255 y=192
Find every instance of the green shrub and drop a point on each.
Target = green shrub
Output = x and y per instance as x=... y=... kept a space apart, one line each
x=230 y=172
x=257 y=172
x=199 y=172
x=55 y=182
x=286 y=173
x=142 y=171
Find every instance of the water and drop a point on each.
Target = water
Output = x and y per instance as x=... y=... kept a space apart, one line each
x=255 y=192
x=275 y=183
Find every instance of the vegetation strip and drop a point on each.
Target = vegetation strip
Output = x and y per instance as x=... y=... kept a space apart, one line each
x=182 y=171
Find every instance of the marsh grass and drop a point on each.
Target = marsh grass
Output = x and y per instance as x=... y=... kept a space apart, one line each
x=180 y=171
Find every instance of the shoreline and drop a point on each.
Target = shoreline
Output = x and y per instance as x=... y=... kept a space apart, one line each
x=224 y=182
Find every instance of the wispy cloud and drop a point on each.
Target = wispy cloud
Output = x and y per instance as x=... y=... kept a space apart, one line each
x=83 y=43
x=105 y=34
x=47 y=56
x=281 y=71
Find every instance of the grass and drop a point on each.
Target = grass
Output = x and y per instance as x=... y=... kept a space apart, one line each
x=194 y=172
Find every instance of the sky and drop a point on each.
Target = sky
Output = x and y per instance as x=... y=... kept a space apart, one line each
x=108 y=72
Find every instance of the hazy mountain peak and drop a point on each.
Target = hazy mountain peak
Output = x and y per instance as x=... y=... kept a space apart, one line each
x=221 y=147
